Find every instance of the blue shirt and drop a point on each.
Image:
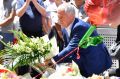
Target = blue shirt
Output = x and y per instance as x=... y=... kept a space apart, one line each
x=31 y=20
x=20 y=3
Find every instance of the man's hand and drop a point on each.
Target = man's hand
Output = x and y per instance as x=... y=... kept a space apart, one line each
x=49 y=63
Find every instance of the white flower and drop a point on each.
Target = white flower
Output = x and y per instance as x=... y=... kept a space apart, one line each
x=27 y=50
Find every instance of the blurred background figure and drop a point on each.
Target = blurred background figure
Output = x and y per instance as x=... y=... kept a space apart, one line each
x=47 y=3
x=7 y=14
x=118 y=41
x=32 y=20
x=32 y=17
x=118 y=34
x=52 y=21
x=79 y=9
x=58 y=2
x=67 y=0
x=51 y=8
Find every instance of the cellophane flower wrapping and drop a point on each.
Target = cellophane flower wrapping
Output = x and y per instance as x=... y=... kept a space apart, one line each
x=66 y=70
x=26 y=51
x=7 y=74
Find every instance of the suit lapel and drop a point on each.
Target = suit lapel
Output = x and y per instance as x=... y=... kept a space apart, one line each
x=75 y=21
x=65 y=33
x=65 y=36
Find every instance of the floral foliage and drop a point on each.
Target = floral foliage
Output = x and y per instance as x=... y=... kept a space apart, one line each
x=26 y=50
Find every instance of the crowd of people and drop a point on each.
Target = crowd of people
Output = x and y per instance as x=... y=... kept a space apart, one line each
x=64 y=19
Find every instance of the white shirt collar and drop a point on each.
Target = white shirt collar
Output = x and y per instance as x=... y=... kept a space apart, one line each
x=69 y=28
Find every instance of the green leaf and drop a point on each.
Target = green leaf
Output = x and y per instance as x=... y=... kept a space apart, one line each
x=92 y=41
x=27 y=50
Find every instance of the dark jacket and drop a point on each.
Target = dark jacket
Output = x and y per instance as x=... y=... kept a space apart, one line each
x=93 y=60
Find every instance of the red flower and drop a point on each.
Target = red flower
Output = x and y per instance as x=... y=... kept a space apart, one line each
x=69 y=70
x=15 y=41
x=102 y=11
x=3 y=70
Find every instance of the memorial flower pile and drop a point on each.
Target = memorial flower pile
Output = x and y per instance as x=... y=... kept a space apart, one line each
x=25 y=51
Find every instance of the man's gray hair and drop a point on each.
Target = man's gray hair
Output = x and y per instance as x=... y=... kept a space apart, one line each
x=68 y=8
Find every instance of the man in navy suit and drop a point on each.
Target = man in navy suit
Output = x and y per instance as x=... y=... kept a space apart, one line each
x=94 y=59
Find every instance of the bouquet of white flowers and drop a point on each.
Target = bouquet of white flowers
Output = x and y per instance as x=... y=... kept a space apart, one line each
x=27 y=50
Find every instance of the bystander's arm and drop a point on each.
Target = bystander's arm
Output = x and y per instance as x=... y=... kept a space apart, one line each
x=22 y=10
x=40 y=8
x=46 y=26
x=8 y=20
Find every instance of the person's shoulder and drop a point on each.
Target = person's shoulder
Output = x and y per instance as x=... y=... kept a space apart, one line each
x=40 y=1
x=14 y=3
x=79 y=22
x=19 y=0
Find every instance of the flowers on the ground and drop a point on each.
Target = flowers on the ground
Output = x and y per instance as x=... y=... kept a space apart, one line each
x=26 y=51
x=66 y=71
x=7 y=74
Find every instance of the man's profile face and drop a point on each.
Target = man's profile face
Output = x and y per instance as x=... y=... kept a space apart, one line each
x=62 y=17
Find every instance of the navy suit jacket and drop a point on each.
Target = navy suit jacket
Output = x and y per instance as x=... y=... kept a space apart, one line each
x=94 y=59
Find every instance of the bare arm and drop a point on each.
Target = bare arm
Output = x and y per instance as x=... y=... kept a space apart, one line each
x=22 y=10
x=8 y=20
x=39 y=7
x=46 y=25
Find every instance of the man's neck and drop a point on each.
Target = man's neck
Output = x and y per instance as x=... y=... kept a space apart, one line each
x=71 y=22
x=69 y=27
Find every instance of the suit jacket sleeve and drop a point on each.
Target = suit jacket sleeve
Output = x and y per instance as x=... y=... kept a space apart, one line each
x=76 y=34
